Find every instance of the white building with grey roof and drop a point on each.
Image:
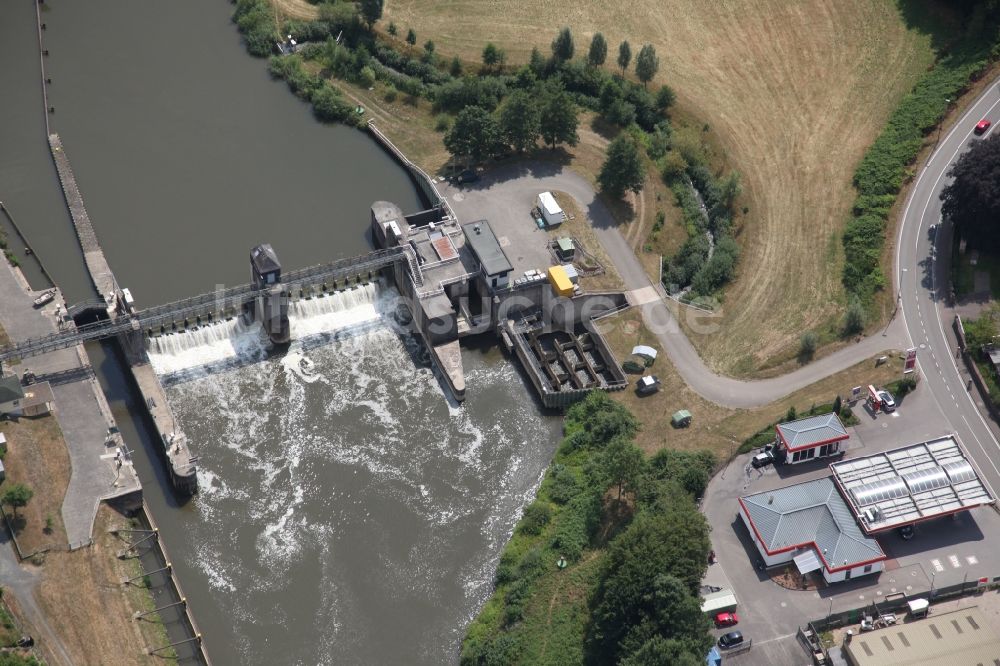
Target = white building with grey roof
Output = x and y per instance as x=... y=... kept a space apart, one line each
x=811 y=525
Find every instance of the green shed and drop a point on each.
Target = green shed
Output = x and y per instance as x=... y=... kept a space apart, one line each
x=681 y=419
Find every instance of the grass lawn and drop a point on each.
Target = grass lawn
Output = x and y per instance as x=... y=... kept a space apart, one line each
x=37 y=457
x=713 y=427
x=794 y=91
x=83 y=598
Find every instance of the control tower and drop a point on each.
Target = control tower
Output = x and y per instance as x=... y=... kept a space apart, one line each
x=270 y=307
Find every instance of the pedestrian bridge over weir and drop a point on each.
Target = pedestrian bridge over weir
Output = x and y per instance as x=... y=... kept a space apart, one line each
x=222 y=303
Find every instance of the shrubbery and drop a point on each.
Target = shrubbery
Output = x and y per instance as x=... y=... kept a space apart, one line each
x=256 y=22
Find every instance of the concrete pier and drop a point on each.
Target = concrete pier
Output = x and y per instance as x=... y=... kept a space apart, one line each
x=97 y=264
x=182 y=463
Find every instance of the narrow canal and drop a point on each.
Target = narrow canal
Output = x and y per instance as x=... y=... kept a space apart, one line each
x=349 y=513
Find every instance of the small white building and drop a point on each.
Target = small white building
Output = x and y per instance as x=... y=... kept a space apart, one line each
x=811 y=525
x=551 y=212
x=11 y=396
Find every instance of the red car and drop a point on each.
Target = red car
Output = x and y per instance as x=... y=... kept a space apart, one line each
x=726 y=619
x=982 y=126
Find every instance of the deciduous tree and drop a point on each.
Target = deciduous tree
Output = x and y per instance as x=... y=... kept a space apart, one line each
x=623 y=169
x=972 y=200
x=598 y=51
x=17 y=496
x=622 y=462
x=371 y=11
x=475 y=134
x=491 y=55
x=558 y=116
x=624 y=56
x=562 y=45
x=646 y=64
x=520 y=120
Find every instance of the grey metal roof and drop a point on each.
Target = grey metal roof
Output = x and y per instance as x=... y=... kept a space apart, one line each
x=911 y=483
x=264 y=259
x=484 y=243
x=813 y=430
x=811 y=513
x=10 y=389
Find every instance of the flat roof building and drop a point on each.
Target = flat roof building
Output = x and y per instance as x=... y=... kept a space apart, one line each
x=494 y=264
x=809 y=438
x=910 y=484
x=963 y=636
x=809 y=523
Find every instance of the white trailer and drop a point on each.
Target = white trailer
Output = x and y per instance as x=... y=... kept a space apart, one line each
x=716 y=602
x=551 y=212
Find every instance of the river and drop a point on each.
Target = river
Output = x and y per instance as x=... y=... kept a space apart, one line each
x=350 y=513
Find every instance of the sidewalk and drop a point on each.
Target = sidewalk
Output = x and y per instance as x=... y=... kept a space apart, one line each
x=80 y=408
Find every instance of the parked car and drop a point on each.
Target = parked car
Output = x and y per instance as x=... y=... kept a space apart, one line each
x=982 y=126
x=726 y=619
x=906 y=532
x=468 y=176
x=762 y=459
x=888 y=402
x=932 y=232
x=731 y=640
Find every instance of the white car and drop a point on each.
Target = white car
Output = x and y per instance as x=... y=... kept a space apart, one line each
x=888 y=402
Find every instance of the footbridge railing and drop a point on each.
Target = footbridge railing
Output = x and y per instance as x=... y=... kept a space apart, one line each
x=218 y=301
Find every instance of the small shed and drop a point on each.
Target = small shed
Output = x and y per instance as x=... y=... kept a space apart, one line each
x=565 y=248
x=648 y=384
x=571 y=273
x=11 y=395
x=551 y=212
x=560 y=281
x=646 y=353
x=681 y=419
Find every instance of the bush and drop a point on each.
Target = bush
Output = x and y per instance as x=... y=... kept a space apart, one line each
x=442 y=123
x=576 y=526
x=329 y=106
x=536 y=516
x=255 y=21
x=563 y=485
x=807 y=346
x=854 y=319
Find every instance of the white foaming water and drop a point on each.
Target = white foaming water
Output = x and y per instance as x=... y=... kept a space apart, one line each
x=347 y=502
x=225 y=342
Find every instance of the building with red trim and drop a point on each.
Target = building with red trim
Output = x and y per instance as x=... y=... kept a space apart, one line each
x=811 y=524
x=810 y=438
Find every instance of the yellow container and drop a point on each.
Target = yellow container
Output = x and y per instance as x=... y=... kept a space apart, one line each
x=561 y=283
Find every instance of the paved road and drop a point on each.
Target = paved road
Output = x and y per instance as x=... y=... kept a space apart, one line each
x=511 y=190
x=922 y=285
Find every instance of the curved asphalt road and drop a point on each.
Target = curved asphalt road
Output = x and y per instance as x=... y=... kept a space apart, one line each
x=922 y=284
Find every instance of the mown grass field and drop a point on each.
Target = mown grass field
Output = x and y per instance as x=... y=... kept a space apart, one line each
x=795 y=93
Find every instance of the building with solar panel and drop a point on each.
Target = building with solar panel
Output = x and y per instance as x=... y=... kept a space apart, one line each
x=828 y=525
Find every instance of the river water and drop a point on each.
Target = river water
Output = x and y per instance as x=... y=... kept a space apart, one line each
x=349 y=513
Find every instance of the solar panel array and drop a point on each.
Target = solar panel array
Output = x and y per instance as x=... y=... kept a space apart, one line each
x=909 y=484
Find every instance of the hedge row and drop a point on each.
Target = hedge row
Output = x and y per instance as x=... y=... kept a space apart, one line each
x=888 y=163
x=327 y=102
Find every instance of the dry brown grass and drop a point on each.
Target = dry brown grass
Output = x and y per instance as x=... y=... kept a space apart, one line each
x=296 y=9
x=579 y=226
x=713 y=427
x=81 y=594
x=37 y=457
x=795 y=91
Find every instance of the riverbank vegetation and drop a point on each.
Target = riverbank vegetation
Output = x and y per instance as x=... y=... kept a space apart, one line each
x=606 y=563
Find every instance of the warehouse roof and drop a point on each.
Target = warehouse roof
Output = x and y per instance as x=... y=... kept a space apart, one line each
x=810 y=514
x=912 y=483
x=963 y=636
x=484 y=243
x=812 y=431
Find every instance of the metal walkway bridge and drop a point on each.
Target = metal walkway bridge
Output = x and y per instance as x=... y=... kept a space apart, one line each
x=232 y=299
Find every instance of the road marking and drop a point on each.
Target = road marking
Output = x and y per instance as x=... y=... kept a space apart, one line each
x=937 y=565
x=972 y=560
x=954 y=561
x=772 y=640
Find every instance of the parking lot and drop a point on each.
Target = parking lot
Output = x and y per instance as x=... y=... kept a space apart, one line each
x=943 y=552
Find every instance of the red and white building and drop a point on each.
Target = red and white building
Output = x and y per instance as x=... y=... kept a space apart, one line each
x=810 y=438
